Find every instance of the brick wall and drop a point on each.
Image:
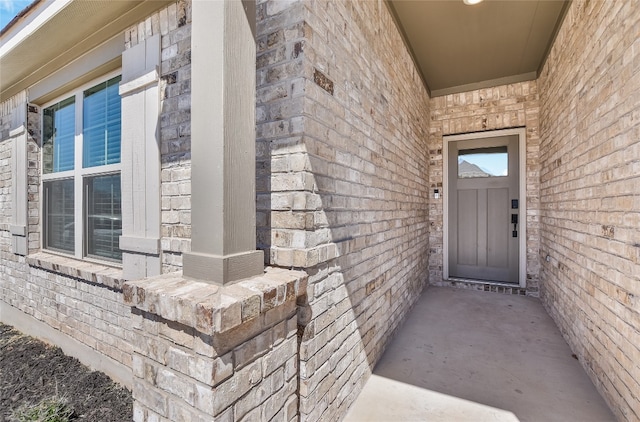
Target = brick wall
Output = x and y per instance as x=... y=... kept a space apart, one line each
x=590 y=179
x=83 y=302
x=81 y=299
x=226 y=352
x=7 y=108
x=86 y=307
x=9 y=266
x=501 y=107
x=349 y=150
x=342 y=183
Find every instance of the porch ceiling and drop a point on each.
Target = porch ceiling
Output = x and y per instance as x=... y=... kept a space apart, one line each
x=460 y=47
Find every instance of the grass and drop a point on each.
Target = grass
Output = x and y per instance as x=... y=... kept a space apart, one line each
x=52 y=409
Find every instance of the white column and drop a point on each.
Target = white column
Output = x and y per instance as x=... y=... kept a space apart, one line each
x=140 y=157
x=223 y=239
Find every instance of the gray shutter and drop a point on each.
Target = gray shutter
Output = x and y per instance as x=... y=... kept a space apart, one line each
x=18 y=134
x=140 y=240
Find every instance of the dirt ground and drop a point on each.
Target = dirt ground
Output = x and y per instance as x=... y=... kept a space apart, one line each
x=31 y=370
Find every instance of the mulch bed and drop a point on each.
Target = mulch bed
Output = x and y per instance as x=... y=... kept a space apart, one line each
x=31 y=370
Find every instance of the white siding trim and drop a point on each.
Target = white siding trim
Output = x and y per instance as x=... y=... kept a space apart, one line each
x=74 y=73
x=140 y=83
x=17 y=131
x=26 y=27
x=18 y=230
x=144 y=245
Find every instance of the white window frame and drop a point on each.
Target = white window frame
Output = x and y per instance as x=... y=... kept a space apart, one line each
x=78 y=174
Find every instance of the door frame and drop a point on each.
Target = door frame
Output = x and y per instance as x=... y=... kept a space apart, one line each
x=522 y=188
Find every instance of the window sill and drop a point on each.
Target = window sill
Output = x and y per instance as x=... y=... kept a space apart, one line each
x=88 y=271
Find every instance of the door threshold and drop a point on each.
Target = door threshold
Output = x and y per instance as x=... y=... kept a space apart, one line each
x=492 y=283
x=483 y=285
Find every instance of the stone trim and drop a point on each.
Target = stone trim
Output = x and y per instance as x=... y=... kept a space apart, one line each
x=89 y=271
x=205 y=352
x=214 y=309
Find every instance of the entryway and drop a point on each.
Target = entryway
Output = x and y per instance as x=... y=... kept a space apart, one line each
x=471 y=356
x=485 y=207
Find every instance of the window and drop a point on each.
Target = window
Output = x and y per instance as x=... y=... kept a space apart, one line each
x=81 y=172
x=483 y=162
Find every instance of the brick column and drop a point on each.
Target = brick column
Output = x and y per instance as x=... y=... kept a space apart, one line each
x=223 y=241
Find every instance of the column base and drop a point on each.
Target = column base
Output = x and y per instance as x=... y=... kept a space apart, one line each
x=221 y=270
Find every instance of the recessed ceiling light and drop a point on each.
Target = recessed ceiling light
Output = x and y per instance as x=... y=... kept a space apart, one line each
x=471 y=2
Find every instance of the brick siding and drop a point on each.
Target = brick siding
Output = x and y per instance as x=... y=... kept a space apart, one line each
x=84 y=300
x=590 y=180
x=349 y=150
x=341 y=178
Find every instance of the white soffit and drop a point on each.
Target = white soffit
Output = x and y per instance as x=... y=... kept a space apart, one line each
x=55 y=33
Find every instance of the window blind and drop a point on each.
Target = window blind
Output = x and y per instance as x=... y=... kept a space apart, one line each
x=104 y=216
x=59 y=227
x=101 y=123
x=58 y=136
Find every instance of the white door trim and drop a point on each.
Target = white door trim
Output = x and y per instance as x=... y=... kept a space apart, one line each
x=522 y=143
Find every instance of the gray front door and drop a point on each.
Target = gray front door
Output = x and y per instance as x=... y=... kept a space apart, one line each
x=484 y=209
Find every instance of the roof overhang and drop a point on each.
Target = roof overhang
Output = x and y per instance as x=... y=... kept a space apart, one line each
x=52 y=34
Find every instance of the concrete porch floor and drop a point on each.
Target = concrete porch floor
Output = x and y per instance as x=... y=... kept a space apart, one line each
x=465 y=355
